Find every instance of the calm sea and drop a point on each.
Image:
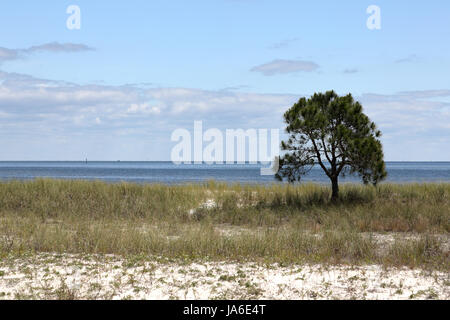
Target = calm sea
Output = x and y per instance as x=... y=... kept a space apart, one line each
x=167 y=172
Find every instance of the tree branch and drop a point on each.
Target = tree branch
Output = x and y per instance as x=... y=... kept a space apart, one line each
x=325 y=150
x=318 y=156
x=341 y=166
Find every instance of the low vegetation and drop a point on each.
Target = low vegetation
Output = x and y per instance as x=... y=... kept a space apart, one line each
x=390 y=224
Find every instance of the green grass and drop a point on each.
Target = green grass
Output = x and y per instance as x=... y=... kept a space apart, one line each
x=276 y=223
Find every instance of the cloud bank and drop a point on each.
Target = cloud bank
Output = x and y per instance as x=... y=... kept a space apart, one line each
x=49 y=119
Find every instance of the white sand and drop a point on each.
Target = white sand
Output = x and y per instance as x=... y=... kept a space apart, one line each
x=51 y=276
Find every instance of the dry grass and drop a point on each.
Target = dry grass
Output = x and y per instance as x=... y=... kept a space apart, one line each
x=277 y=223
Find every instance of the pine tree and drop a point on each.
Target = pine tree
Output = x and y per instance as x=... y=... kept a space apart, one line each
x=333 y=132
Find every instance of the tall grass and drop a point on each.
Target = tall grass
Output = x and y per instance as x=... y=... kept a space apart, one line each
x=280 y=223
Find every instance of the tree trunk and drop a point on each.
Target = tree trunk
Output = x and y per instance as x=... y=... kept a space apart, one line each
x=335 y=188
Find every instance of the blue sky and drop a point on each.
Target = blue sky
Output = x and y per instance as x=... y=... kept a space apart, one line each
x=137 y=70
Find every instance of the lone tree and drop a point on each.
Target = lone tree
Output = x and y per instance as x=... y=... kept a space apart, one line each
x=333 y=132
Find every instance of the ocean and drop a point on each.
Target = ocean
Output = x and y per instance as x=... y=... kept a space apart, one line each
x=169 y=173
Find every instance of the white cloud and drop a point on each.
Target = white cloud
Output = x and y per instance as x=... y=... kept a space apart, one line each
x=410 y=58
x=62 y=105
x=285 y=66
x=145 y=108
x=412 y=115
x=59 y=47
x=283 y=44
x=8 y=54
x=14 y=54
x=43 y=109
x=350 y=70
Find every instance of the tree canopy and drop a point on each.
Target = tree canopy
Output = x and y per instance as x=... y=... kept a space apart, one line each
x=334 y=133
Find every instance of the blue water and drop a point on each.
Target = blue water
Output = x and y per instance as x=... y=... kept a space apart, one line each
x=167 y=172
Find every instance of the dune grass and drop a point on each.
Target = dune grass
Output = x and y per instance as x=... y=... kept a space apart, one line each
x=275 y=223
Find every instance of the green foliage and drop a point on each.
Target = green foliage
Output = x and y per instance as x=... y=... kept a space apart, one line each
x=331 y=131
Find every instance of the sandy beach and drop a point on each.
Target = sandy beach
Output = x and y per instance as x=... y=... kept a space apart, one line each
x=56 y=276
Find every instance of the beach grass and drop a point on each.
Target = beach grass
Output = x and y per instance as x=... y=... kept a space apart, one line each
x=390 y=224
